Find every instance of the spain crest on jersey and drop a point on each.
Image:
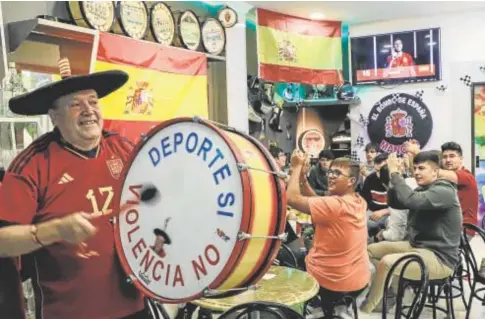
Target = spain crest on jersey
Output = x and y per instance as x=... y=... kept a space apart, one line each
x=115 y=166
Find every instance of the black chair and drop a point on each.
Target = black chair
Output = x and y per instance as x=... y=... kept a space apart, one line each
x=420 y=288
x=156 y=309
x=435 y=288
x=285 y=257
x=472 y=264
x=461 y=273
x=268 y=310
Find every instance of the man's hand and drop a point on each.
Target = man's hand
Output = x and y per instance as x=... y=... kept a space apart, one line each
x=412 y=147
x=378 y=214
x=393 y=163
x=76 y=228
x=380 y=235
x=298 y=158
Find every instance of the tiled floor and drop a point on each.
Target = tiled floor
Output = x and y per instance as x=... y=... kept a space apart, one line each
x=478 y=310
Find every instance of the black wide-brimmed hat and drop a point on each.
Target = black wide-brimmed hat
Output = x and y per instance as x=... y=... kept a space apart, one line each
x=159 y=232
x=40 y=100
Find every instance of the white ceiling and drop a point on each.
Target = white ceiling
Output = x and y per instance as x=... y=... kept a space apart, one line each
x=366 y=11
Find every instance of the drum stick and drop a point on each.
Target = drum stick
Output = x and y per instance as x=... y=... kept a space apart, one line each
x=148 y=195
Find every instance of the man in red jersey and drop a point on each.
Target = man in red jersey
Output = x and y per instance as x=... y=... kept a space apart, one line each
x=399 y=59
x=454 y=171
x=54 y=196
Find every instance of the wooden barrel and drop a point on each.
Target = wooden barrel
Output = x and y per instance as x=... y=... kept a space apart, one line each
x=213 y=36
x=162 y=24
x=189 y=35
x=98 y=15
x=131 y=19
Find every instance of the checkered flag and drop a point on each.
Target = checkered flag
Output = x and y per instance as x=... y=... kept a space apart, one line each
x=441 y=87
x=482 y=68
x=395 y=96
x=359 y=142
x=419 y=94
x=467 y=80
x=354 y=156
x=363 y=120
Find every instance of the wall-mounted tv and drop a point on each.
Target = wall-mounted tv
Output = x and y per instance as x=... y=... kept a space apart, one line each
x=400 y=57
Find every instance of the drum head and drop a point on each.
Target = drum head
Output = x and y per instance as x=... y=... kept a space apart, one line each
x=184 y=241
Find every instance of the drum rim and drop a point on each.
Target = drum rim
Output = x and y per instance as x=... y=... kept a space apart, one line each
x=223 y=32
x=120 y=21
x=83 y=14
x=247 y=205
x=279 y=205
x=160 y=3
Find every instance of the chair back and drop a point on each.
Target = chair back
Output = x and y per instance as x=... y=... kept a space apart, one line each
x=269 y=310
x=420 y=294
x=470 y=259
x=285 y=257
x=156 y=309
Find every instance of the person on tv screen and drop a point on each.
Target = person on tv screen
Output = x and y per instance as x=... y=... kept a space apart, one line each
x=399 y=58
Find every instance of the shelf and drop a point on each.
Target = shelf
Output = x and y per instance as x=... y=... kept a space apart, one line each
x=323 y=102
x=47 y=31
x=57 y=33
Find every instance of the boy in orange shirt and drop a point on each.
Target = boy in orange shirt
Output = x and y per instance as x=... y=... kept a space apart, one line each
x=338 y=258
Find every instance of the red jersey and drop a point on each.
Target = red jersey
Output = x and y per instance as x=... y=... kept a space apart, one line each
x=468 y=195
x=404 y=59
x=50 y=180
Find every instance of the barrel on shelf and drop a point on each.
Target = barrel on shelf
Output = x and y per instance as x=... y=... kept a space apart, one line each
x=98 y=15
x=131 y=19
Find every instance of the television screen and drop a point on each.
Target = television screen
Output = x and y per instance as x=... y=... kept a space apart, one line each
x=399 y=57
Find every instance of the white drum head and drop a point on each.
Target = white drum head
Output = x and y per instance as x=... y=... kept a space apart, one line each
x=177 y=245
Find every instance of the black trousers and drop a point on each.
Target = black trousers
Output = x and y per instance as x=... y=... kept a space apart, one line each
x=144 y=314
x=330 y=299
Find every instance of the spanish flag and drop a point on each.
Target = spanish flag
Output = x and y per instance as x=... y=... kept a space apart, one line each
x=298 y=50
x=165 y=82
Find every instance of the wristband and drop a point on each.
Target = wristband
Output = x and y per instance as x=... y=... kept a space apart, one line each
x=33 y=232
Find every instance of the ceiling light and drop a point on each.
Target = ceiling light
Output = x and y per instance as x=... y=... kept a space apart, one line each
x=317 y=16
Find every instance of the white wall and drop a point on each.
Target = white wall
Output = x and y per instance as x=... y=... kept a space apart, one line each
x=462 y=52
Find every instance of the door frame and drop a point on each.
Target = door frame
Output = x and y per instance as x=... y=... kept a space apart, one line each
x=474 y=156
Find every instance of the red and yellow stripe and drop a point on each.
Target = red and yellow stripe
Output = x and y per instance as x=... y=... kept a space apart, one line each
x=316 y=49
x=165 y=82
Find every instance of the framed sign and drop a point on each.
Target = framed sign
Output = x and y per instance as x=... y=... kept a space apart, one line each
x=213 y=36
x=133 y=18
x=98 y=15
x=227 y=17
x=397 y=118
x=189 y=30
x=162 y=23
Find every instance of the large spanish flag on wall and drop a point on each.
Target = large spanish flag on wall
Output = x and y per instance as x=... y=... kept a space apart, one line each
x=298 y=50
x=165 y=82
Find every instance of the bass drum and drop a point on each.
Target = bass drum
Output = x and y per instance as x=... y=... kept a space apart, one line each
x=218 y=221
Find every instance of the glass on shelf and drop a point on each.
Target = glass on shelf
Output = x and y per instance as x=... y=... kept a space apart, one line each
x=12 y=85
